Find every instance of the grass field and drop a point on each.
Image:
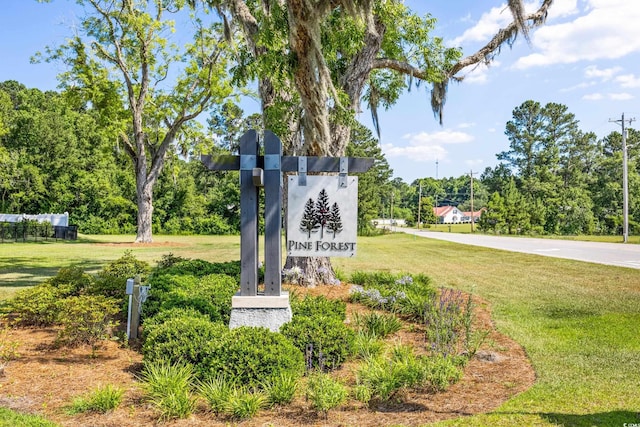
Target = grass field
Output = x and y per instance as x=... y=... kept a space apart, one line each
x=577 y=321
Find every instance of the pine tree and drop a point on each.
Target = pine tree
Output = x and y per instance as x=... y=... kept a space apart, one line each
x=335 y=221
x=309 y=222
x=322 y=211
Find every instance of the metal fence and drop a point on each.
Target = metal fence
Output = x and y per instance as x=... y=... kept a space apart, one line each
x=31 y=231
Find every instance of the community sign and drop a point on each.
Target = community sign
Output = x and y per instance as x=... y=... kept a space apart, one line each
x=322 y=217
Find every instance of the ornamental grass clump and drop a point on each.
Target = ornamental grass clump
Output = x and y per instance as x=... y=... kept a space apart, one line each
x=386 y=377
x=280 y=389
x=325 y=393
x=378 y=325
x=216 y=391
x=168 y=388
x=101 y=400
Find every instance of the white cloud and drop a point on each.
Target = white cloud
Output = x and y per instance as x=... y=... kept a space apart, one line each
x=466 y=125
x=620 y=96
x=593 y=97
x=628 y=80
x=499 y=17
x=605 y=74
x=425 y=146
x=582 y=85
x=607 y=29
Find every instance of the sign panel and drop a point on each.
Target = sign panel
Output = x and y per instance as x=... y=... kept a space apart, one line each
x=322 y=217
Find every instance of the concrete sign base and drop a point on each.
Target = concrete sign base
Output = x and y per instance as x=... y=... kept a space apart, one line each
x=270 y=312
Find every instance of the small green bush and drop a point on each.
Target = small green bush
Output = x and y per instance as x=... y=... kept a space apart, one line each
x=326 y=341
x=86 y=319
x=75 y=277
x=313 y=306
x=210 y=295
x=37 y=306
x=102 y=400
x=182 y=338
x=325 y=393
x=111 y=281
x=160 y=288
x=252 y=355
x=168 y=388
x=200 y=268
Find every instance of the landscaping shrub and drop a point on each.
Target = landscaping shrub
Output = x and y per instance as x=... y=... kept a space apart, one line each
x=86 y=319
x=447 y=323
x=326 y=341
x=160 y=287
x=200 y=268
x=210 y=295
x=73 y=277
x=251 y=356
x=164 y=315
x=182 y=338
x=111 y=281
x=314 y=306
x=37 y=306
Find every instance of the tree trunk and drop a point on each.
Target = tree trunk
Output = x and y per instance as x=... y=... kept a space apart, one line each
x=315 y=270
x=145 y=214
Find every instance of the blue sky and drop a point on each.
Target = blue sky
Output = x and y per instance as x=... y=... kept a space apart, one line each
x=587 y=57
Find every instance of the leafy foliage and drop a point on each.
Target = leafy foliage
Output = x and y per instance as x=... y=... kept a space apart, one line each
x=326 y=341
x=251 y=356
x=181 y=338
x=86 y=319
x=37 y=306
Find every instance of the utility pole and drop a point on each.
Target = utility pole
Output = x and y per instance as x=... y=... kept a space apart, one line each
x=436 y=196
x=625 y=179
x=419 y=202
x=472 y=216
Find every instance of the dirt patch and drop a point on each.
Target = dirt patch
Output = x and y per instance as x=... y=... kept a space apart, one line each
x=45 y=379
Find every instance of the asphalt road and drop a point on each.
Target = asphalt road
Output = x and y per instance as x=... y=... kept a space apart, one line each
x=619 y=254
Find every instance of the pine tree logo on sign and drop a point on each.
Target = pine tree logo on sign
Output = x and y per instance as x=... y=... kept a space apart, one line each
x=318 y=216
x=322 y=217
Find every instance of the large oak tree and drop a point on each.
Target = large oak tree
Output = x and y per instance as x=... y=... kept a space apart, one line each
x=315 y=61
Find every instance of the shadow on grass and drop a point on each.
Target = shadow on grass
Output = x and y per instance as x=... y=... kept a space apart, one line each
x=21 y=271
x=599 y=419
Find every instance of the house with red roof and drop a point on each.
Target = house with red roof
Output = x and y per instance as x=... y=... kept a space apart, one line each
x=452 y=215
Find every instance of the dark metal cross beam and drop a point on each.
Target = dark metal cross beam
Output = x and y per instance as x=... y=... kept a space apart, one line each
x=266 y=170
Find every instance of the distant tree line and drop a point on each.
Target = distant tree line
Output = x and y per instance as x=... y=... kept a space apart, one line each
x=57 y=155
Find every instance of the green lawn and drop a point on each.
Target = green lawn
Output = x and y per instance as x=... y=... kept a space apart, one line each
x=578 y=322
